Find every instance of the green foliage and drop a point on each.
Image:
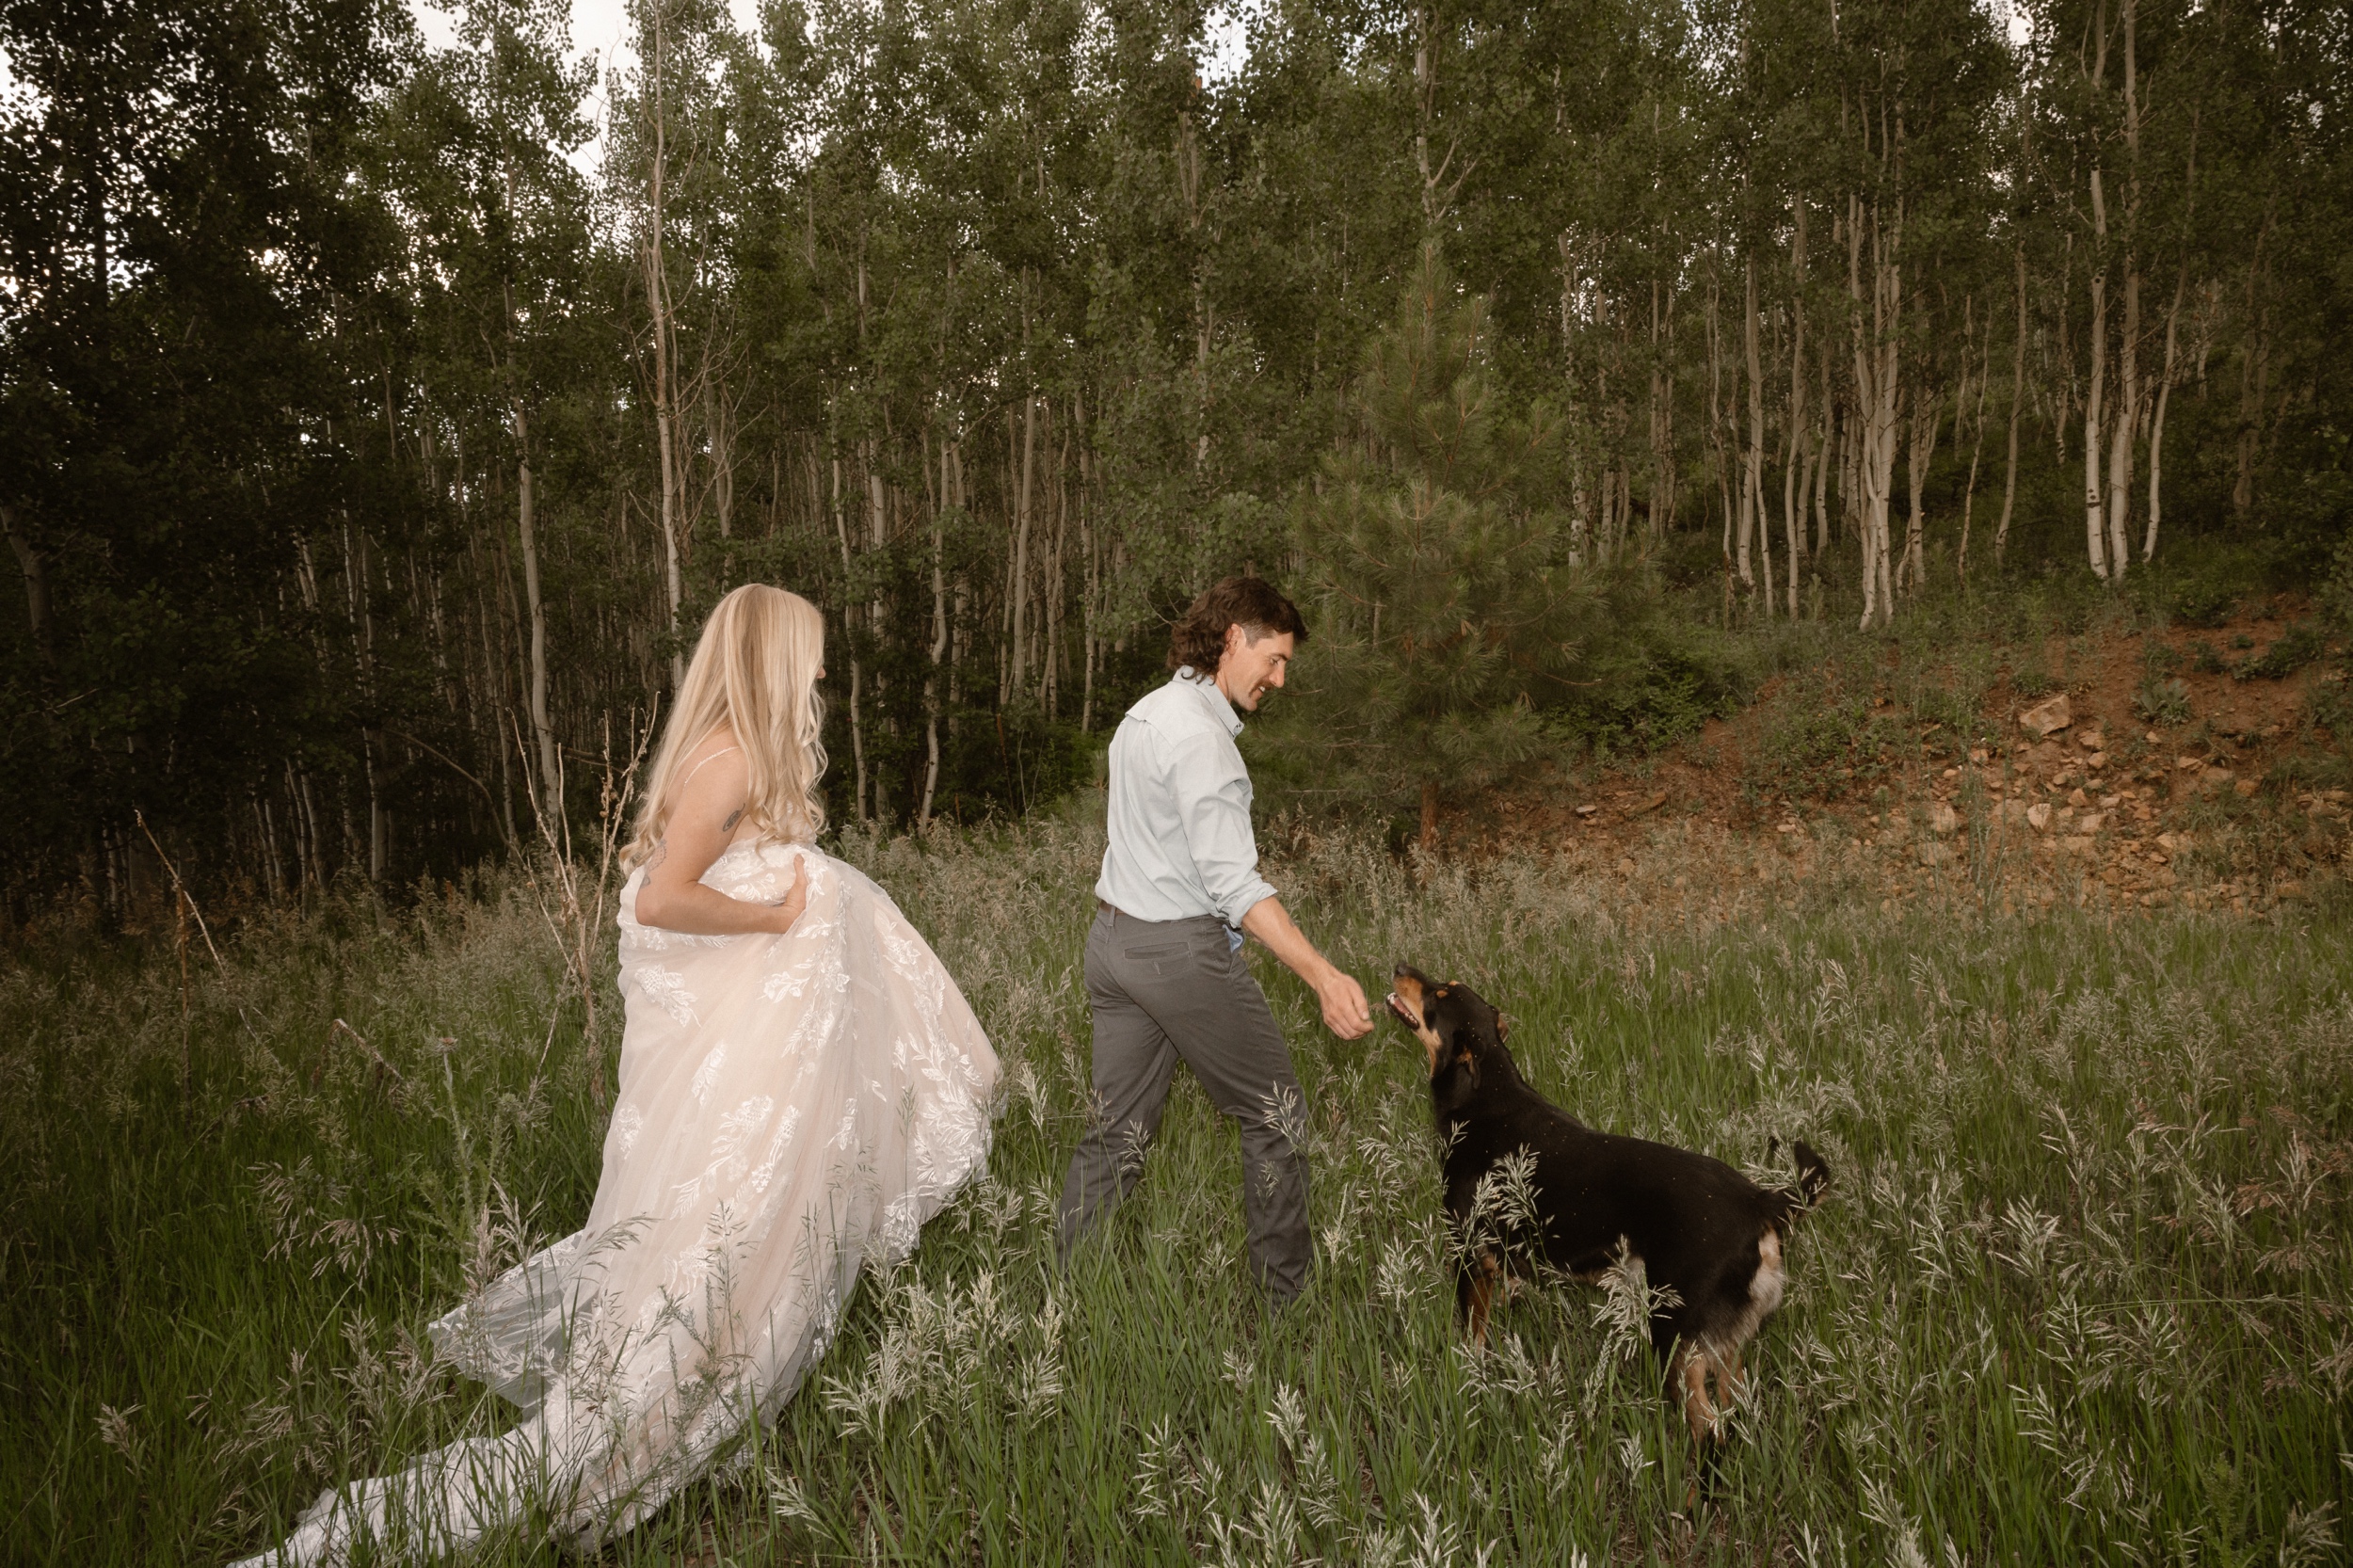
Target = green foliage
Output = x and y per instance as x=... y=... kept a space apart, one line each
x=1653 y=682
x=1445 y=613
x=1822 y=737
x=2298 y=645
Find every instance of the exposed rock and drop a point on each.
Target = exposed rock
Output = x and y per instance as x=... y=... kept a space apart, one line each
x=2039 y=816
x=2046 y=755
x=2189 y=764
x=2289 y=889
x=1587 y=810
x=2245 y=788
x=2048 y=717
x=1934 y=853
x=2214 y=779
x=1943 y=817
x=2091 y=821
x=2097 y=759
x=2016 y=811
x=2076 y=843
x=2077 y=797
x=1626 y=866
x=2091 y=740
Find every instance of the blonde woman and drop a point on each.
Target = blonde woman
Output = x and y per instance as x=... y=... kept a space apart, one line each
x=801 y=1087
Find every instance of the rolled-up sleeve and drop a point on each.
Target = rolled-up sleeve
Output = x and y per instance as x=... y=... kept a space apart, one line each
x=1212 y=790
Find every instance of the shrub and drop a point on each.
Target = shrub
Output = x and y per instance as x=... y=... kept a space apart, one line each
x=2297 y=646
x=1822 y=739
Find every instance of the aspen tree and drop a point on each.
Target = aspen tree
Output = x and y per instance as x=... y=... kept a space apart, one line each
x=1797 y=457
x=1752 y=474
x=2017 y=402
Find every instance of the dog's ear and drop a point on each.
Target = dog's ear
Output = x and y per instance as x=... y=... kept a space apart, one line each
x=1503 y=1025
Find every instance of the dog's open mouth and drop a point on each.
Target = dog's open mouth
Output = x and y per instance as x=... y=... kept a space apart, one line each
x=1405 y=1014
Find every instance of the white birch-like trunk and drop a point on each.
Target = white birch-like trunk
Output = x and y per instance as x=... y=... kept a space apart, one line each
x=658 y=306
x=1977 y=444
x=2124 y=426
x=1753 y=478
x=2095 y=528
x=1792 y=487
x=1877 y=386
x=1927 y=419
x=939 y=650
x=2156 y=418
x=857 y=680
x=2017 y=400
x=550 y=772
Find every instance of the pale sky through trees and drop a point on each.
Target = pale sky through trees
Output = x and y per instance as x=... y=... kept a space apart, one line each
x=602 y=27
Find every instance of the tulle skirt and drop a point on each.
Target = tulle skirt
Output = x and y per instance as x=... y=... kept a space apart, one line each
x=790 y=1108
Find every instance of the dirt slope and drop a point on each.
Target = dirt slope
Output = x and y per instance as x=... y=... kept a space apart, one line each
x=2236 y=804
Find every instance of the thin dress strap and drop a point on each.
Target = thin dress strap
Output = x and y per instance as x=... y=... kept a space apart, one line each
x=705 y=762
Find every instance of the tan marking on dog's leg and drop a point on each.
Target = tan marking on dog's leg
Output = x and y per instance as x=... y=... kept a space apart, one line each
x=1482 y=1297
x=1699 y=1411
x=1731 y=1380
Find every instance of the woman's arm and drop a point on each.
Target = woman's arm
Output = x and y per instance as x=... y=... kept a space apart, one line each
x=709 y=811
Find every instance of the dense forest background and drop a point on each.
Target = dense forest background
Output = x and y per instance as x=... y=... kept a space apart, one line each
x=367 y=465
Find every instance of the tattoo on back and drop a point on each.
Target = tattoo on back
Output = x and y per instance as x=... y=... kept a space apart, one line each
x=733 y=817
x=660 y=853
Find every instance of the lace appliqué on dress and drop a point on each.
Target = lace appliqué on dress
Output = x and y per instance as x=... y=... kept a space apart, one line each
x=793 y=1108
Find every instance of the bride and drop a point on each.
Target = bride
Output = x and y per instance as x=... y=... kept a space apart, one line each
x=801 y=1087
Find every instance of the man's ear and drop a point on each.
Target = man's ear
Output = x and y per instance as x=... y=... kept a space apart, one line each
x=1236 y=639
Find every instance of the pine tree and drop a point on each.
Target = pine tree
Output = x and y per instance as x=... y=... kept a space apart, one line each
x=1447 y=615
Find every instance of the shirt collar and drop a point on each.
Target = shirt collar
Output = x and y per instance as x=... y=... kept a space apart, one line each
x=1211 y=697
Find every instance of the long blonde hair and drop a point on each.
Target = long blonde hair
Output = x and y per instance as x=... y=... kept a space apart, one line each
x=754 y=671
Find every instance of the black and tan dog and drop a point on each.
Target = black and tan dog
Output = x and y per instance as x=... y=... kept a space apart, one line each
x=1700 y=1228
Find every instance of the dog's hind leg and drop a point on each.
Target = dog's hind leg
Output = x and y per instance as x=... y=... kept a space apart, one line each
x=1731 y=1378
x=1687 y=1380
x=1694 y=1366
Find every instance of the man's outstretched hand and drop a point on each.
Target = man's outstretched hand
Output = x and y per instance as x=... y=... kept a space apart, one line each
x=1344 y=1001
x=1344 y=1010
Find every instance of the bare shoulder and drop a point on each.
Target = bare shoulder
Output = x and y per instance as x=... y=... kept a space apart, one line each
x=712 y=777
x=718 y=756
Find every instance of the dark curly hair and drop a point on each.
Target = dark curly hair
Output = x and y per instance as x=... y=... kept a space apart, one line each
x=1251 y=604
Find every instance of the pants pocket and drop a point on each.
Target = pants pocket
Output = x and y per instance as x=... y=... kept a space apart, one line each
x=1160 y=952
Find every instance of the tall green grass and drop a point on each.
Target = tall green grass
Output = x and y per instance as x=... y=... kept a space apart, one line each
x=2084 y=1289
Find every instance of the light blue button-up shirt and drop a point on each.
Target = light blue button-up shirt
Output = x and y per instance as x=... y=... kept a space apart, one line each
x=1181 y=839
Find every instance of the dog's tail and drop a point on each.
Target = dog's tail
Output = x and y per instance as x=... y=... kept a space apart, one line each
x=1813 y=1176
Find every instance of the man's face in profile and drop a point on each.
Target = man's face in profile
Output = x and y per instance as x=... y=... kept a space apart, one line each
x=1248 y=668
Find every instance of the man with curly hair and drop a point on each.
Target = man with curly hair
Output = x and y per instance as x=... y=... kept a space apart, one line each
x=1165 y=970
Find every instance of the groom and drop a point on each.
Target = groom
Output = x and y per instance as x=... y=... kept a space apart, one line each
x=1164 y=969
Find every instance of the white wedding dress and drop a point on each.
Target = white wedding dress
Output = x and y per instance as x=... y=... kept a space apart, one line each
x=790 y=1108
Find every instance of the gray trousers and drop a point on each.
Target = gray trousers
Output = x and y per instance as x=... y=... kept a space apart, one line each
x=1165 y=989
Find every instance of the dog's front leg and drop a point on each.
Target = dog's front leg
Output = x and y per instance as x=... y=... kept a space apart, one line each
x=1475 y=1291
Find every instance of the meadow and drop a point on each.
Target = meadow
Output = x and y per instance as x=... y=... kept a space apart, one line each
x=2083 y=1291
